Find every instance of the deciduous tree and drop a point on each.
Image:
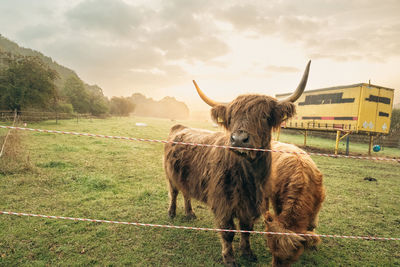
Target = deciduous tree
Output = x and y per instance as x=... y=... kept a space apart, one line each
x=121 y=106
x=77 y=95
x=27 y=83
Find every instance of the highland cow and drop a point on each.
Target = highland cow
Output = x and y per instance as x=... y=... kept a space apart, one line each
x=296 y=193
x=230 y=181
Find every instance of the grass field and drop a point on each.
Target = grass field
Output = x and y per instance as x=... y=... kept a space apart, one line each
x=99 y=178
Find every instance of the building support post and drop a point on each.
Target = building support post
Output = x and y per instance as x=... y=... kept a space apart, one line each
x=305 y=138
x=371 y=142
x=337 y=142
x=338 y=138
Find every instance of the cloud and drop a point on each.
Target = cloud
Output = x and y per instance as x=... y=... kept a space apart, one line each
x=118 y=44
x=107 y=16
x=127 y=44
x=187 y=38
x=202 y=48
x=156 y=77
x=282 y=69
x=242 y=17
x=173 y=28
x=39 y=33
x=26 y=21
x=338 y=30
x=372 y=42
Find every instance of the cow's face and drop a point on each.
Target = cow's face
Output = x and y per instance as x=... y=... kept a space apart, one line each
x=249 y=119
x=279 y=261
x=286 y=249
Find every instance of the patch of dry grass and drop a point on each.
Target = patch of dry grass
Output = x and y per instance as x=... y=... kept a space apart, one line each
x=15 y=157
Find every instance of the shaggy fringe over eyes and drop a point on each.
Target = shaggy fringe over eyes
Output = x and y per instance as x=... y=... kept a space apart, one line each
x=258 y=110
x=282 y=112
x=259 y=107
x=283 y=246
x=218 y=114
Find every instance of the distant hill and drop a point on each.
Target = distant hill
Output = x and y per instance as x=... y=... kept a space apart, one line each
x=9 y=50
x=168 y=107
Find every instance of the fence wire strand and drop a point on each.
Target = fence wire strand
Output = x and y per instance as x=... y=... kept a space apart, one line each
x=197 y=228
x=198 y=145
x=188 y=227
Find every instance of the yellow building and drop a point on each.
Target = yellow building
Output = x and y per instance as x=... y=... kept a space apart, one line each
x=356 y=108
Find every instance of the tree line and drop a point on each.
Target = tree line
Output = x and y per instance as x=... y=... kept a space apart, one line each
x=27 y=83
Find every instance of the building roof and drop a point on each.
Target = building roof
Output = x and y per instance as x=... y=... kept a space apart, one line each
x=338 y=87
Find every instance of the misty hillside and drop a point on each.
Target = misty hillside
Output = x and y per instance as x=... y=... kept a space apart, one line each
x=11 y=50
x=84 y=98
x=168 y=107
x=72 y=94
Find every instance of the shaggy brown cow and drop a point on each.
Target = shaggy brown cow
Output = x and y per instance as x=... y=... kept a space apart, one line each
x=231 y=181
x=296 y=193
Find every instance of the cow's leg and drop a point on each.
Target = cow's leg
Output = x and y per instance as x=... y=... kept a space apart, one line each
x=246 y=225
x=173 y=193
x=188 y=207
x=265 y=206
x=226 y=240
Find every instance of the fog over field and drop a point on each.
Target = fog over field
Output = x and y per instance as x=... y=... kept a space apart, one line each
x=230 y=47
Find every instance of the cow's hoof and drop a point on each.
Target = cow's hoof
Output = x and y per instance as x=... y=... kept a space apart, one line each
x=229 y=261
x=249 y=256
x=231 y=264
x=171 y=214
x=191 y=216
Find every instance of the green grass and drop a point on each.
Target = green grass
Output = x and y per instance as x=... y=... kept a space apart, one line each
x=120 y=180
x=328 y=145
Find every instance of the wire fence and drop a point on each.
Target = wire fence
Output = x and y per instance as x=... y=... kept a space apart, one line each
x=199 y=145
x=8 y=133
x=198 y=228
x=36 y=116
x=188 y=227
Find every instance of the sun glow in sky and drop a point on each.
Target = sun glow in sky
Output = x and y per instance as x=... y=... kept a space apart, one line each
x=229 y=47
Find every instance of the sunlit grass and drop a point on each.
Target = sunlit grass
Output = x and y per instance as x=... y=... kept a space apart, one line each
x=328 y=145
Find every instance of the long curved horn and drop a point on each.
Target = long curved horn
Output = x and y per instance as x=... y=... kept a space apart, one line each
x=204 y=97
x=300 y=88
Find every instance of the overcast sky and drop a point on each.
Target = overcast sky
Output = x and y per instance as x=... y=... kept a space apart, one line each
x=228 y=47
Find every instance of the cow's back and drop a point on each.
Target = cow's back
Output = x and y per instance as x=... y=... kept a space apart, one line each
x=295 y=185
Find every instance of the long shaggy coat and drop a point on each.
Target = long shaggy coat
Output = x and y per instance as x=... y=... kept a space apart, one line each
x=295 y=190
x=230 y=182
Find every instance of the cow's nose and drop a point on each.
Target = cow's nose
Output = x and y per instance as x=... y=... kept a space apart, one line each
x=239 y=138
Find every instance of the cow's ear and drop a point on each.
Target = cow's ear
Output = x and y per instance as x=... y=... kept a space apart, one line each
x=218 y=114
x=281 y=112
